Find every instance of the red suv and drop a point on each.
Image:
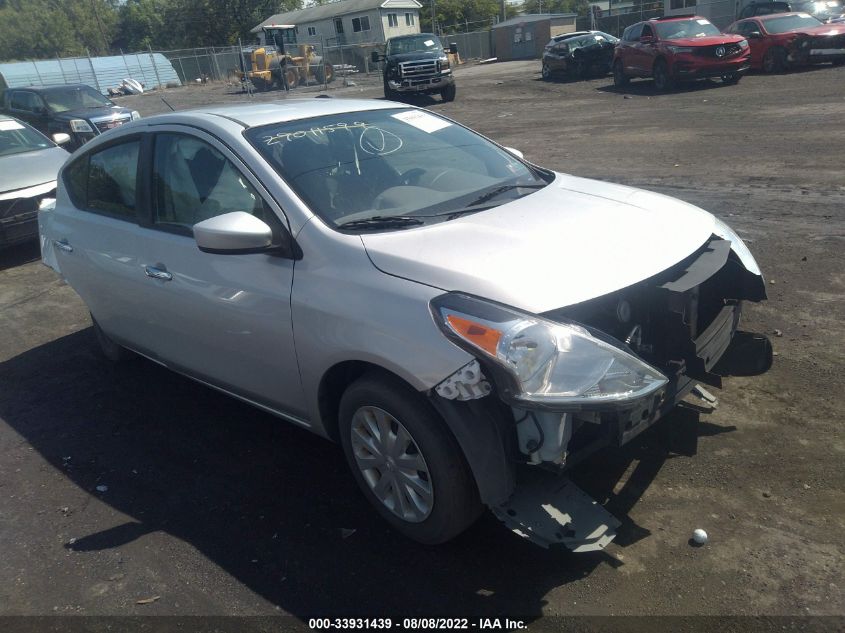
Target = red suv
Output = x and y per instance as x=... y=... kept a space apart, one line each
x=678 y=48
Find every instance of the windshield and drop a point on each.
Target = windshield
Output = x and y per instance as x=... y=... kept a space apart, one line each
x=790 y=23
x=75 y=98
x=427 y=43
x=16 y=138
x=680 y=29
x=395 y=163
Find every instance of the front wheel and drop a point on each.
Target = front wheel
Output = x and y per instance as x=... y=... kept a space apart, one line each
x=619 y=78
x=774 y=61
x=405 y=460
x=662 y=81
x=731 y=78
x=448 y=93
x=546 y=72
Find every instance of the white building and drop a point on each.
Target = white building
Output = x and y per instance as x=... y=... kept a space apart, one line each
x=350 y=21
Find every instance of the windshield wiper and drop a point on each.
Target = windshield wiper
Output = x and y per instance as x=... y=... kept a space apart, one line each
x=381 y=222
x=495 y=192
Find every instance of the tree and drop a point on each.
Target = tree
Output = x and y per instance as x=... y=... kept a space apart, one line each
x=458 y=15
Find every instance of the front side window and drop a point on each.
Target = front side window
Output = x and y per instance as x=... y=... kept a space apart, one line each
x=389 y=163
x=74 y=98
x=679 y=29
x=791 y=23
x=193 y=181
x=112 y=177
x=16 y=138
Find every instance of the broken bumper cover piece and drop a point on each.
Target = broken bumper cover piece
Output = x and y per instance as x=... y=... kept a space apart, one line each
x=554 y=511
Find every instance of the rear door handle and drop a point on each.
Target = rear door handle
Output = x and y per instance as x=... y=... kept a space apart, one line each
x=157 y=273
x=63 y=245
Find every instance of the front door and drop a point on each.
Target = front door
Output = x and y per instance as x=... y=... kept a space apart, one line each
x=222 y=318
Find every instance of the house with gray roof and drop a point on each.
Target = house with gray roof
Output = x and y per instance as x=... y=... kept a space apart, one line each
x=350 y=21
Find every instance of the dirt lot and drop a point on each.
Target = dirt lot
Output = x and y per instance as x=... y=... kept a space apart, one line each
x=217 y=508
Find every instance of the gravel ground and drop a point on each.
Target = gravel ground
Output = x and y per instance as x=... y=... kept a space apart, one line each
x=119 y=485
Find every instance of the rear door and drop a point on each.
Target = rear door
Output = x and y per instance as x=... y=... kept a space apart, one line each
x=222 y=318
x=646 y=51
x=92 y=237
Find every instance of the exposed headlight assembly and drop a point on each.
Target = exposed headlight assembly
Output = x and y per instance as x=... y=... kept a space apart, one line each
x=545 y=363
x=743 y=43
x=135 y=115
x=80 y=125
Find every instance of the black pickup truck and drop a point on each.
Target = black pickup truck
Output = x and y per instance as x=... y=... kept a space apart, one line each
x=417 y=64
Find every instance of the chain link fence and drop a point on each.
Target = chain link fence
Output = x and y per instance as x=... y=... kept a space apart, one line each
x=616 y=24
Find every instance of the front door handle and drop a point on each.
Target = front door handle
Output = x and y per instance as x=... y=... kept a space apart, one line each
x=157 y=273
x=63 y=245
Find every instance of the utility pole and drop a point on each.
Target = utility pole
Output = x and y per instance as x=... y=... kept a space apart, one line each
x=433 y=24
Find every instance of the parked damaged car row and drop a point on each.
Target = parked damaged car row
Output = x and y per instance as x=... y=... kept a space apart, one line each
x=361 y=269
x=675 y=49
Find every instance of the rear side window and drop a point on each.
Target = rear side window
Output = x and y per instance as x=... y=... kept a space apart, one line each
x=112 y=177
x=106 y=181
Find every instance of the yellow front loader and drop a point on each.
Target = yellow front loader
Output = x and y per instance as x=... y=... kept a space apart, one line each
x=282 y=61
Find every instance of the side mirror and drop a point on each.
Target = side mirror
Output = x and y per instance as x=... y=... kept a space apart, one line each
x=515 y=152
x=754 y=35
x=60 y=138
x=453 y=48
x=233 y=233
x=647 y=39
x=375 y=57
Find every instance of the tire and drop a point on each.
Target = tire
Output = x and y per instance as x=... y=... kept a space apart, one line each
x=731 y=79
x=660 y=73
x=448 y=93
x=379 y=405
x=389 y=94
x=619 y=78
x=546 y=72
x=292 y=76
x=108 y=348
x=259 y=84
x=774 y=61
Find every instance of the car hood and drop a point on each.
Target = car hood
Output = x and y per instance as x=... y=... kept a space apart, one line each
x=571 y=241
x=28 y=169
x=88 y=113
x=823 y=29
x=408 y=57
x=710 y=40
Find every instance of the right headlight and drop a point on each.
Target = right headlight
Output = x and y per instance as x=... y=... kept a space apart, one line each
x=551 y=363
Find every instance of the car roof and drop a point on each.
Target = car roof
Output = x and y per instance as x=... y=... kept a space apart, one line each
x=48 y=88
x=256 y=114
x=675 y=18
x=780 y=15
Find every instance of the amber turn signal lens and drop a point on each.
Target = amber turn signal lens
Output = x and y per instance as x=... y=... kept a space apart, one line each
x=480 y=335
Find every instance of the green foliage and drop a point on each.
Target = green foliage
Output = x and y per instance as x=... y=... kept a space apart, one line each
x=457 y=15
x=33 y=29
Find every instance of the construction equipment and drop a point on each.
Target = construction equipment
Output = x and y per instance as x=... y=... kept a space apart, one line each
x=282 y=63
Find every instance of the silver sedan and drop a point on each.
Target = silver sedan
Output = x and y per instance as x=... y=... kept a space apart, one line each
x=453 y=315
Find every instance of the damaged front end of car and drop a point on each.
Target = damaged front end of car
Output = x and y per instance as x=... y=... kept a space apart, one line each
x=550 y=390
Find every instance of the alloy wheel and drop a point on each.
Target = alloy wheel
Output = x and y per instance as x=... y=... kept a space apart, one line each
x=392 y=465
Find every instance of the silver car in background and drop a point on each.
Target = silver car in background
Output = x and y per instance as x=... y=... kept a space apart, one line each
x=454 y=316
x=29 y=165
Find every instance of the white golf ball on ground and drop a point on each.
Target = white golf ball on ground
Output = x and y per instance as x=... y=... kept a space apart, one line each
x=699 y=536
